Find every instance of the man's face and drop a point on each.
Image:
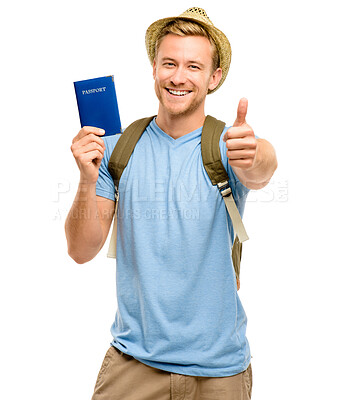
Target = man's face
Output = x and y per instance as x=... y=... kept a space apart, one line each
x=182 y=71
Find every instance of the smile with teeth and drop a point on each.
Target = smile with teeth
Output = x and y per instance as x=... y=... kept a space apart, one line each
x=178 y=92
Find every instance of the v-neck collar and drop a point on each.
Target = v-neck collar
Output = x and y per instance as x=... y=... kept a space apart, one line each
x=182 y=139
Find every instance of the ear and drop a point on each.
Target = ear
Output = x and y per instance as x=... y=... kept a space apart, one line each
x=215 y=79
x=154 y=69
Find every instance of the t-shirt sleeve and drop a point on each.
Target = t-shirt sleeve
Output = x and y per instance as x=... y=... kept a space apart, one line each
x=105 y=185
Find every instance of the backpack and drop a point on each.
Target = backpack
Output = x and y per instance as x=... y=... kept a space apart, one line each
x=211 y=156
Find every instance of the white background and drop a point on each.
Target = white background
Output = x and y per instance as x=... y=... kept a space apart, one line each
x=55 y=314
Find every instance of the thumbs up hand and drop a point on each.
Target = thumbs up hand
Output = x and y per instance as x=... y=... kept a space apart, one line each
x=240 y=140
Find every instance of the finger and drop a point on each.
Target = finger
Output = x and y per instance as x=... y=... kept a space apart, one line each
x=87 y=148
x=235 y=144
x=241 y=163
x=240 y=154
x=89 y=157
x=241 y=144
x=238 y=132
x=241 y=112
x=90 y=138
x=86 y=130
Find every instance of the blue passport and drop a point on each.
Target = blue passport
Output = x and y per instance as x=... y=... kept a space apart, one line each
x=98 y=105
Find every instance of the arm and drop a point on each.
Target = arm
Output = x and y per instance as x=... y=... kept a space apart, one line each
x=253 y=160
x=88 y=222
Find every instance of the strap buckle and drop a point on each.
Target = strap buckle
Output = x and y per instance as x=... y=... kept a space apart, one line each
x=233 y=211
x=224 y=188
x=116 y=194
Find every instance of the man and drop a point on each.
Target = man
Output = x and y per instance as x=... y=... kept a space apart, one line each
x=180 y=326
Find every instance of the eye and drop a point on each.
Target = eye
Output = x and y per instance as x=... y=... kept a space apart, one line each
x=169 y=64
x=194 y=67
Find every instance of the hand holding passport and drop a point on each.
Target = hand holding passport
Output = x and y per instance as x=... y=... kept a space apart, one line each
x=99 y=116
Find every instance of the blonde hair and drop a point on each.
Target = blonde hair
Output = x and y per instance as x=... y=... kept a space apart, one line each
x=183 y=27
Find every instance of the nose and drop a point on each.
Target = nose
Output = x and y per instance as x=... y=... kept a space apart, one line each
x=179 y=76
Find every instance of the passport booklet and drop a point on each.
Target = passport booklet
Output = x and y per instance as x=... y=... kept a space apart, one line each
x=98 y=105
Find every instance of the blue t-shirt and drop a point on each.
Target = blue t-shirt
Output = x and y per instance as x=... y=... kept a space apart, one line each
x=178 y=307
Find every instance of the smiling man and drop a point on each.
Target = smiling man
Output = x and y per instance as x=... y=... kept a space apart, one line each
x=183 y=73
x=185 y=67
x=180 y=328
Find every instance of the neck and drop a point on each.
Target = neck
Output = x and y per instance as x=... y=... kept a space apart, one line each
x=179 y=125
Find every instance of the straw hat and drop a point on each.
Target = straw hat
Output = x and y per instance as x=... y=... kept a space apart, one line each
x=198 y=15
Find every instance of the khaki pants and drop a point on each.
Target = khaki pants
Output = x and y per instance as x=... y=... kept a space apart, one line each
x=122 y=377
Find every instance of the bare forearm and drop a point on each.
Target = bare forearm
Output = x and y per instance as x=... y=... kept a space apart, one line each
x=265 y=163
x=83 y=226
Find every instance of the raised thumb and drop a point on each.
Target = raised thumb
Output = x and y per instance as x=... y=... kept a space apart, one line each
x=241 y=112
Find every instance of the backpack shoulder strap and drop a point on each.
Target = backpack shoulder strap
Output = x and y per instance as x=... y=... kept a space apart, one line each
x=118 y=162
x=211 y=155
x=124 y=148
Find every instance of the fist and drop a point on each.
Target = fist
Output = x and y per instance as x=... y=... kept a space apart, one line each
x=240 y=140
x=88 y=149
